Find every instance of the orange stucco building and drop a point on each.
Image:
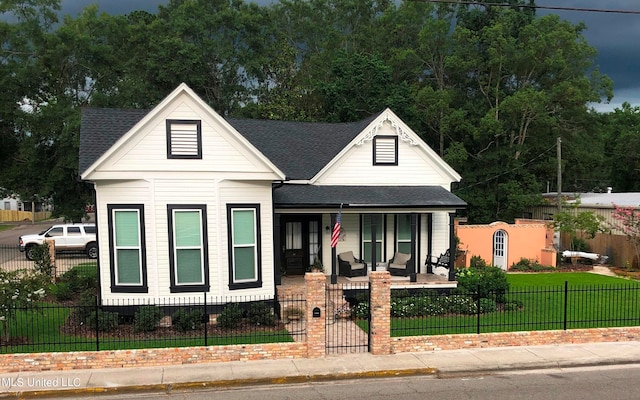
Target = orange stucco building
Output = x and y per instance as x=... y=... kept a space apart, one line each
x=502 y=244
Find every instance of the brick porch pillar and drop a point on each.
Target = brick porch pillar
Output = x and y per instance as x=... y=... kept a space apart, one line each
x=380 y=326
x=315 y=284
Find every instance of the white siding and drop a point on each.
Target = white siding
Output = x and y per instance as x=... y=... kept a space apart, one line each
x=233 y=192
x=415 y=167
x=156 y=195
x=124 y=192
x=147 y=149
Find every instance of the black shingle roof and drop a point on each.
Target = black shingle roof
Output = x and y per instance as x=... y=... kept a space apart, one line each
x=291 y=196
x=298 y=149
x=100 y=128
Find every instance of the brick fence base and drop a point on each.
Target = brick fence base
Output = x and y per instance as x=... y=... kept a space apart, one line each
x=148 y=357
x=503 y=339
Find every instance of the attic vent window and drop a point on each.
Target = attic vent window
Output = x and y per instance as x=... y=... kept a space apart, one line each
x=184 y=139
x=385 y=150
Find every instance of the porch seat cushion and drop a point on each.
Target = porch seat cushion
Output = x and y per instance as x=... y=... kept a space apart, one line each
x=401 y=258
x=348 y=257
x=399 y=261
x=357 y=266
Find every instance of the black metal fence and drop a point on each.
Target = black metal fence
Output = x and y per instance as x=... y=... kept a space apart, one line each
x=519 y=309
x=198 y=321
x=12 y=259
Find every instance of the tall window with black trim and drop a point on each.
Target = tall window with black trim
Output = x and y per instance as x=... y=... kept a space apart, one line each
x=188 y=253
x=245 y=258
x=128 y=260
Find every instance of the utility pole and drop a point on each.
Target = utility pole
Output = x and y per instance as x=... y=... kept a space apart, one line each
x=559 y=152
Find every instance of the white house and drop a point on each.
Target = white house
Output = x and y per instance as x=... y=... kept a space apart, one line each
x=188 y=202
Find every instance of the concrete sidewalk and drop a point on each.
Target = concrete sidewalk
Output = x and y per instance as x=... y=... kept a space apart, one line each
x=352 y=366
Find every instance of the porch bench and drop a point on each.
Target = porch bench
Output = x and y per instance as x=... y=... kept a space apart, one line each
x=439 y=266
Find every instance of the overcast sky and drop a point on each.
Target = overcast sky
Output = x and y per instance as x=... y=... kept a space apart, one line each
x=616 y=36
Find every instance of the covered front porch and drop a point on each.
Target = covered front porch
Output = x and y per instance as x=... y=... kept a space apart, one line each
x=376 y=224
x=295 y=284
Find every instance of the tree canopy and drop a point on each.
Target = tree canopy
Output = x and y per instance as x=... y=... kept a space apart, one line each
x=489 y=87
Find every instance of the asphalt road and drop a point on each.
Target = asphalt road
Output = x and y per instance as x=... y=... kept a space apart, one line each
x=604 y=382
x=9 y=237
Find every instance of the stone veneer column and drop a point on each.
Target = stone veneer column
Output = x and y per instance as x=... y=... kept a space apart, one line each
x=315 y=283
x=380 y=326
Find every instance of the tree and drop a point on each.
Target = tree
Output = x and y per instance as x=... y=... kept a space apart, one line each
x=623 y=126
x=358 y=86
x=579 y=225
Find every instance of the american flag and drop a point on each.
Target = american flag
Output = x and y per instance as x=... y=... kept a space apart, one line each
x=335 y=235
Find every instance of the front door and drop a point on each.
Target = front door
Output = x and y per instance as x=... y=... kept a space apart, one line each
x=500 y=241
x=300 y=243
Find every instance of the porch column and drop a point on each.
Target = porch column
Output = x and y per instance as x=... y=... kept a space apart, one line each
x=429 y=242
x=412 y=261
x=334 y=253
x=374 y=244
x=452 y=246
x=277 y=250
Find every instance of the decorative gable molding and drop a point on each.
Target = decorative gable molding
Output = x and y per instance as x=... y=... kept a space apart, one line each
x=402 y=134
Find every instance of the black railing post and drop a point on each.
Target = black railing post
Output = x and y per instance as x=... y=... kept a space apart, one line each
x=206 y=317
x=97 y=324
x=566 y=302
x=478 y=307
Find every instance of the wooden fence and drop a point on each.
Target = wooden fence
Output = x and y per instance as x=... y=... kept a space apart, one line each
x=18 y=216
x=617 y=247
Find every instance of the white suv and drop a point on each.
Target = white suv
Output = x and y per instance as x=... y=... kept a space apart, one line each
x=67 y=237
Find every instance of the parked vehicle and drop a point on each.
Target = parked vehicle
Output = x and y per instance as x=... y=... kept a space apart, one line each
x=67 y=237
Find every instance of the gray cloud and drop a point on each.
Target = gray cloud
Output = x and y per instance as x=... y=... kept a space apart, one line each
x=615 y=36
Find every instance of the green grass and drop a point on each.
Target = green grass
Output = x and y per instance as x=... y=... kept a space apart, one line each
x=592 y=301
x=558 y=279
x=40 y=331
x=5 y=227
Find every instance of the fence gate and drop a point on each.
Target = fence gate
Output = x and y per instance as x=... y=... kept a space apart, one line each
x=347 y=318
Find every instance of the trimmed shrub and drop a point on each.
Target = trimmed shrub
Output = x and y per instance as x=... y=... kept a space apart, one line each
x=147 y=318
x=186 y=320
x=106 y=321
x=488 y=282
x=62 y=291
x=361 y=310
x=529 y=265
x=477 y=262
x=513 y=305
x=82 y=277
x=261 y=314
x=230 y=317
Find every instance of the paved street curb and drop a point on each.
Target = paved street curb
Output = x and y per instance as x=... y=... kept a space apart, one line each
x=231 y=383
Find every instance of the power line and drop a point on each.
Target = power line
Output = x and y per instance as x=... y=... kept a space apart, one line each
x=557 y=8
x=508 y=171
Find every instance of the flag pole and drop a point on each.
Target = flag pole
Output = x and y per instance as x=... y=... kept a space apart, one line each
x=335 y=236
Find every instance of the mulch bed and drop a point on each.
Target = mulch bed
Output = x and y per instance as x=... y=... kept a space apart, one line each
x=634 y=274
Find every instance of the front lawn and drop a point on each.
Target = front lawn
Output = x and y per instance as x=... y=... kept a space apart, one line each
x=533 y=302
x=558 y=279
x=68 y=319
